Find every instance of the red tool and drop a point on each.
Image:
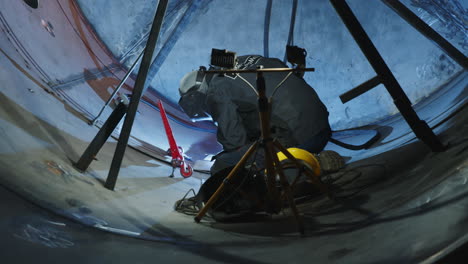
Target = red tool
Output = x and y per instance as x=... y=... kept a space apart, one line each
x=176 y=152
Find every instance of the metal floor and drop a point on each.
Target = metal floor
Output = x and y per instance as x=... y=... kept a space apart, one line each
x=406 y=205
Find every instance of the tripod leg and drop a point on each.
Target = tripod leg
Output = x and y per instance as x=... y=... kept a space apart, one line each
x=220 y=189
x=273 y=195
x=286 y=189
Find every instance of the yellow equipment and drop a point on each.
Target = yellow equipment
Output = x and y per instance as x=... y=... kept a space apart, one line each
x=306 y=157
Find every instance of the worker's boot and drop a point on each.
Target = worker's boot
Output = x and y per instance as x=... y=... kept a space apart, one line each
x=330 y=161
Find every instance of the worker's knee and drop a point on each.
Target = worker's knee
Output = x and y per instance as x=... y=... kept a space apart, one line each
x=231 y=158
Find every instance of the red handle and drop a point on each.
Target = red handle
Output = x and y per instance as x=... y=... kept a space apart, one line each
x=176 y=152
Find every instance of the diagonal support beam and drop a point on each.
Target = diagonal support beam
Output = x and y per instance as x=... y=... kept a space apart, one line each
x=136 y=95
x=419 y=127
x=101 y=137
x=360 y=89
x=266 y=29
x=427 y=31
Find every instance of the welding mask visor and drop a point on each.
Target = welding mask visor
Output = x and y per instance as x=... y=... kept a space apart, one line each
x=193 y=104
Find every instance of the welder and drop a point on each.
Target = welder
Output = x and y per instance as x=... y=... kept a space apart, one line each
x=298 y=116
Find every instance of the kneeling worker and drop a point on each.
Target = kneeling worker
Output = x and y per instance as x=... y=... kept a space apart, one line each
x=298 y=116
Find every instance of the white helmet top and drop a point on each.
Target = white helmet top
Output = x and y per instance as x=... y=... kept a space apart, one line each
x=191 y=80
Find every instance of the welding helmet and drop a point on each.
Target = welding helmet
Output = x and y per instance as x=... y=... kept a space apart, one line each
x=192 y=90
x=303 y=156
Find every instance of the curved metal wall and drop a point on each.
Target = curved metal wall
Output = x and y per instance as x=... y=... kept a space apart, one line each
x=60 y=50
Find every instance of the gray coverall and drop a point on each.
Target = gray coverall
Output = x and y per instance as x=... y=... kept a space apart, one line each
x=298 y=119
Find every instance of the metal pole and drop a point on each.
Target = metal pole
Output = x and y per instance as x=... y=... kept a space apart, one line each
x=266 y=29
x=427 y=31
x=136 y=95
x=264 y=108
x=419 y=127
x=101 y=137
x=93 y=122
x=360 y=89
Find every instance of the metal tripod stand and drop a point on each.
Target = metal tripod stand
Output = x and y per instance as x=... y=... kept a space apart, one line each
x=271 y=147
